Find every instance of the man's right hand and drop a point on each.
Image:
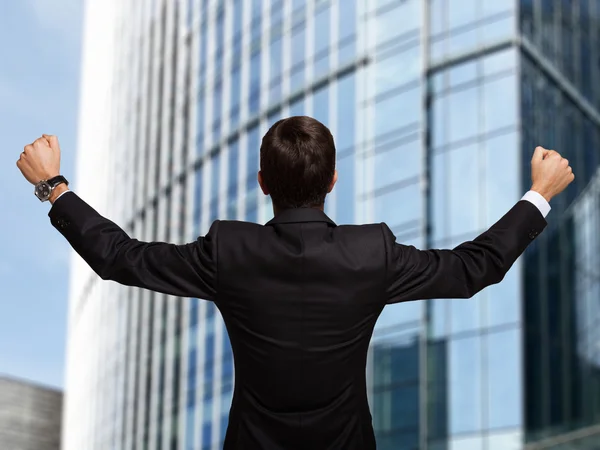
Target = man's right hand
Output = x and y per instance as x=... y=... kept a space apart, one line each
x=550 y=173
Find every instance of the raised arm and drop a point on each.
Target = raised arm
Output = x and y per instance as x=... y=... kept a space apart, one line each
x=187 y=270
x=462 y=272
x=414 y=274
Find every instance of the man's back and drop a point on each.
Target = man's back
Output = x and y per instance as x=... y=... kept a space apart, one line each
x=300 y=298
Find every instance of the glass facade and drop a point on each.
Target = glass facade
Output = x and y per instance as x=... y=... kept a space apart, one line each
x=473 y=161
x=436 y=107
x=474 y=357
x=559 y=106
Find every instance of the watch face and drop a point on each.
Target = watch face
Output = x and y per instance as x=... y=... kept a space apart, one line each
x=42 y=190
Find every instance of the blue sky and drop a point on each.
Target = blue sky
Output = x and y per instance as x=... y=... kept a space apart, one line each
x=39 y=90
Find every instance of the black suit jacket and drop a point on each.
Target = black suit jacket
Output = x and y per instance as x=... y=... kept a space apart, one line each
x=300 y=297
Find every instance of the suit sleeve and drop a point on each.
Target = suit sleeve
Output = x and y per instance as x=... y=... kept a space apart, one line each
x=187 y=270
x=414 y=274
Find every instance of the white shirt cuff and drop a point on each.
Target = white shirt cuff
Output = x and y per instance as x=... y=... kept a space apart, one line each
x=61 y=194
x=538 y=200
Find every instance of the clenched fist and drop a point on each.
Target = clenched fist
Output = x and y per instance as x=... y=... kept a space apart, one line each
x=40 y=160
x=550 y=173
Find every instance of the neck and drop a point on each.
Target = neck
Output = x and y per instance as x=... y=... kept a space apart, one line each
x=277 y=210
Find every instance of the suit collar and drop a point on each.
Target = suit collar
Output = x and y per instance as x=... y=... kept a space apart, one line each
x=298 y=215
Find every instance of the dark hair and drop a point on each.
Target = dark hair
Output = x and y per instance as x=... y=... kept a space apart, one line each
x=297 y=161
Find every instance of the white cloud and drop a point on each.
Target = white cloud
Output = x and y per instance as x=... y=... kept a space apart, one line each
x=60 y=16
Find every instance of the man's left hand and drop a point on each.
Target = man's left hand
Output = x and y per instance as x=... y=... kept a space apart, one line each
x=41 y=159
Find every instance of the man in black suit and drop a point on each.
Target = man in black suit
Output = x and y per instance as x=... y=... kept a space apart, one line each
x=300 y=295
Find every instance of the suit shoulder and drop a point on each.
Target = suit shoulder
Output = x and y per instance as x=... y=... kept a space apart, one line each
x=232 y=226
x=371 y=230
x=362 y=228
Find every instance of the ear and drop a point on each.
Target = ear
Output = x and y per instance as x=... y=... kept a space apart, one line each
x=261 y=183
x=333 y=181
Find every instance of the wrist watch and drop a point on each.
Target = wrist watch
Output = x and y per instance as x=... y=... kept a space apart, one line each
x=44 y=188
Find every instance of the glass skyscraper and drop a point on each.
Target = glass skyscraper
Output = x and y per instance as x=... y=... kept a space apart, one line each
x=436 y=107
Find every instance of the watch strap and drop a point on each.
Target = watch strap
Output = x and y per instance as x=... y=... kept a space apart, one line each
x=55 y=181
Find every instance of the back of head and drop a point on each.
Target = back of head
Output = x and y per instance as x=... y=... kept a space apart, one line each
x=297 y=162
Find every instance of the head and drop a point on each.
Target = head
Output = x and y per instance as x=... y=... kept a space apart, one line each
x=297 y=163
